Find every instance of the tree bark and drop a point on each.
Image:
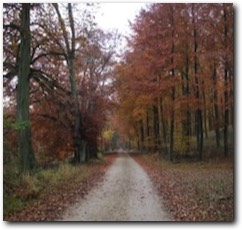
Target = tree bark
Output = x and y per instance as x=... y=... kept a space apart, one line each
x=163 y=131
x=188 y=112
x=186 y=90
x=141 y=135
x=70 y=56
x=226 y=112
x=198 y=114
x=156 y=127
x=173 y=88
x=216 y=109
x=23 y=120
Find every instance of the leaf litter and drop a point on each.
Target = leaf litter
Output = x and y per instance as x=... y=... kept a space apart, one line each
x=193 y=191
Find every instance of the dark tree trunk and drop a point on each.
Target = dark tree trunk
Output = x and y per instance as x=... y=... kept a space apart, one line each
x=216 y=109
x=156 y=128
x=163 y=127
x=186 y=91
x=173 y=88
x=147 y=125
x=205 y=127
x=226 y=112
x=23 y=119
x=199 y=120
x=172 y=127
x=141 y=136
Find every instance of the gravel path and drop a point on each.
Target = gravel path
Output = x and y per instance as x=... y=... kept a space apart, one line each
x=126 y=194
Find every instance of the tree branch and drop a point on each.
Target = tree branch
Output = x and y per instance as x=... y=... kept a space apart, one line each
x=50 y=53
x=11 y=26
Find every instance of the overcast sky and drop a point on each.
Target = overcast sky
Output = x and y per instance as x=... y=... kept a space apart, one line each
x=116 y=15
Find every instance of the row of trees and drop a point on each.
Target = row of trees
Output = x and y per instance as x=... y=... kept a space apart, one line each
x=57 y=71
x=176 y=81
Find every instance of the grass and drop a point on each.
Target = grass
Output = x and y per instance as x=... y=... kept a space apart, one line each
x=21 y=191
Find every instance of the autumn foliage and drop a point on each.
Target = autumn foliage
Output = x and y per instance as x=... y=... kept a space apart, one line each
x=67 y=97
x=70 y=78
x=175 y=83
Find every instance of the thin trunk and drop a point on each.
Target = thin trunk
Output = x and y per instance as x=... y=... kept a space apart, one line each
x=163 y=128
x=226 y=112
x=83 y=151
x=199 y=121
x=205 y=115
x=23 y=119
x=226 y=116
x=201 y=134
x=231 y=95
x=141 y=136
x=155 y=127
x=186 y=91
x=216 y=109
x=159 y=123
x=172 y=126
x=147 y=132
x=159 y=114
x=173 y=88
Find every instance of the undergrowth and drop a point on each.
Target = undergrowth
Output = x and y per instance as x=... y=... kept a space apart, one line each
x=20 y=191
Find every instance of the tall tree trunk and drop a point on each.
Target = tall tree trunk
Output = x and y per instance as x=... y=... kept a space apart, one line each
x=216 y=109
x=147 y=141
x=199 y=120
x=186 y=91
x=226 y=112
x=205 y=115
x=70 y=49
x=186 y=124
x=159 y=123
x=172 y=126
x=173 y=88
x=142 y=138
x=226 y=115
x=201 y=135
x=163 y=131
x=156 y=127
x=188 y=112
x=23 y=119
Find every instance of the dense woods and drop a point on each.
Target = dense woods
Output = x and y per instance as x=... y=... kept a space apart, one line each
x=57 y=79
x=175 y=83
x=69 y=96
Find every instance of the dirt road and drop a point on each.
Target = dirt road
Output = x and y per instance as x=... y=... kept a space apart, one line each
x=126 y=194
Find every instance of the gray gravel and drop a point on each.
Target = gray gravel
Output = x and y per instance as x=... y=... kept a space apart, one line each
x=126 y=194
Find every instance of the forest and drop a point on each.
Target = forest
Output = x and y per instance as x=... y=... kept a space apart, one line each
x=59 y=104
x=69 y=95
x=175 y=84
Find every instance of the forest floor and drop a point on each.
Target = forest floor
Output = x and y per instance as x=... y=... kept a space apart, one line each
x=45 y=195
x=194 y=191
x=124 y=188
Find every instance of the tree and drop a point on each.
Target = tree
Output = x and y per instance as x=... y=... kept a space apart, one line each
x=198 y=116
x=70 y=45
x=175 y=83
x=23 y=119
x=70 y=76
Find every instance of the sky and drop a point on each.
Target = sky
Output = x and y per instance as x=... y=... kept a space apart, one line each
x=116 y=15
